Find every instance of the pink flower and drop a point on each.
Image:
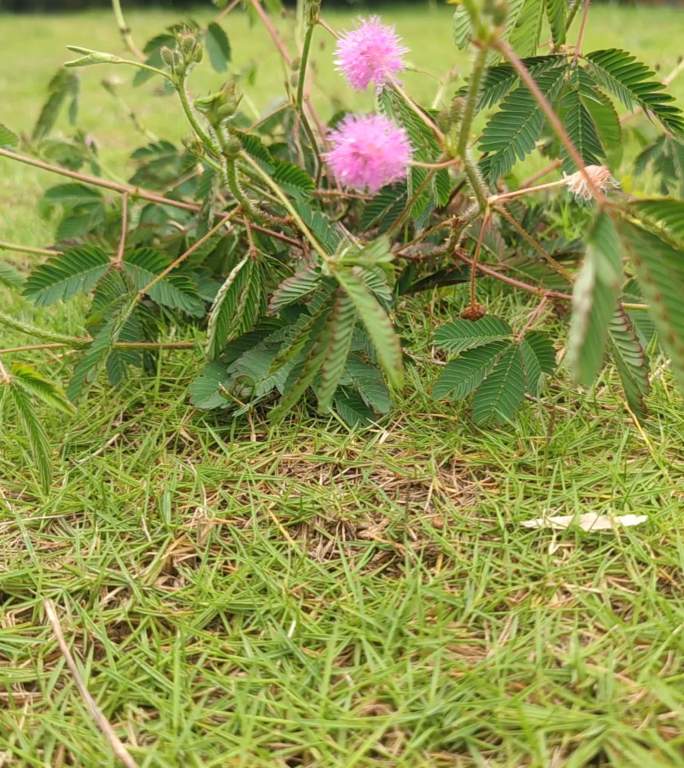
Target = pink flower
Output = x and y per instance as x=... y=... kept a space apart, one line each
x=369 y=152
x=371 y=53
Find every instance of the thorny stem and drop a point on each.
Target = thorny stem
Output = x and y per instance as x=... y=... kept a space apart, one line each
x=471 y=101
x=202 y=134
x=528 y=182
x=301 y=83
x=512 y=281
x=125 y=31
x=505 y=49
x=437 y=166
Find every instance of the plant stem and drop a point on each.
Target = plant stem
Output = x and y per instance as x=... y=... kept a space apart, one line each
x=4 y=246
x=118 y=259
x=512 y=281
x=125 y=31
x=418 y=111
x=41 y=333
x=471 y=101
x=306 y=49
x=202 y=134
x=583 y=26
x=275 y=37
x=96 y=181
x=494 y=199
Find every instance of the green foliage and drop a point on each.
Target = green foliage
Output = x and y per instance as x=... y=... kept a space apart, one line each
x=494 y=364
x=237 y=241
x=63 y=276
x=635 y=85
x=218 y=47
x=594 y=299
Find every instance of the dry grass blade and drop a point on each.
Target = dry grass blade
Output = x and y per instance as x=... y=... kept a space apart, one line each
x=100 y=720
x=591 y=521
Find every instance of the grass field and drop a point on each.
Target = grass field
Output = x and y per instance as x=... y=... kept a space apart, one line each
x=303 y=595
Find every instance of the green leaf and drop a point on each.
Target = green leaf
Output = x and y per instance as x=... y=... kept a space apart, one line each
x=342 y=320
x=218 y=47
x=72 y=194
x=556 y=13
x=368 y=381
x=524 y=38
x=37 y=437
x=664 y=214
x=606 y=121
x=635 y=85
x=594 y=299
x=305 y=280
x=460 y=335
x=385 y=208
x=10 y=277
x=660 y=273
x=208 y=390
x=462 y=27
x=95 y=356
x=36 y=384
x=352 y=408
x=539 y=357
x=61 y=277
x=8 y=138
x=236 y=307
x=63 y=87
x=303 y=375
x=581 y=129
x=512 y=132
x=630 y=361
x=174 y=291
x=501 y=394
x=498 y=80
x=544 y=350
x=378 y=325
x=462 y=376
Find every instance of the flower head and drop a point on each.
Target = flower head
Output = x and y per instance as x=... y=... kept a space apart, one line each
x=369 y=152
x=599 y=174
x=371 y=53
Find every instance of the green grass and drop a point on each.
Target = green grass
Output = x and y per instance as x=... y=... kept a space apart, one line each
x=303 y=595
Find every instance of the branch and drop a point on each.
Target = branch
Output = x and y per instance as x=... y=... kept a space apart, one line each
x=96 y=181
x=4 y=246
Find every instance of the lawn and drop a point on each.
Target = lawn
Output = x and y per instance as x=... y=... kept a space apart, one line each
x=243 y=594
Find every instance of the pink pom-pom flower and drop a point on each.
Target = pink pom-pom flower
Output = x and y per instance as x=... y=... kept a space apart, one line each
x=371 y=53
x=369 y=152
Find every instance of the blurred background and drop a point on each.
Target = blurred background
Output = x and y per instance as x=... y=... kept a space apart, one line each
x=28 y=6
